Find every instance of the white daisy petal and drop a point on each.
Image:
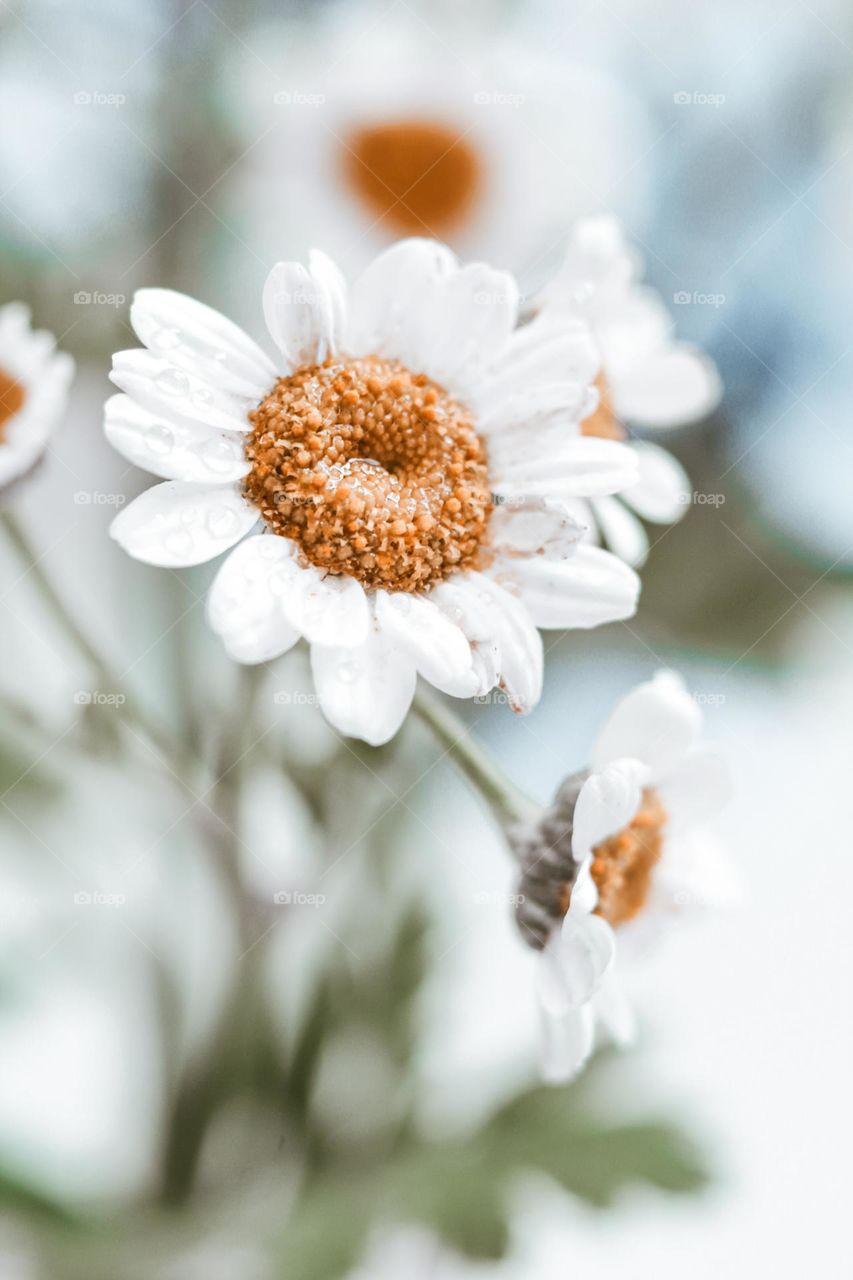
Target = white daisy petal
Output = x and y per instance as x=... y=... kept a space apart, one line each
x=171 y=449
x=174 y=524
x=546 y=368
x=663 y=490
x=199 y=340
x=479 y=311
x=244 y=606
x=395 y=302
x=519 y=645
x=574 y=961
x=606 y=804
x=334 y=287
x=365 y=692
x=438 y=647
x=535 y=526
x=567 y=1042
x=697 y=873
x=558 y=465
x=614 y=1013
x=588 y=589
x=621 y=530
x=697 y=787
x=304 y=311
x=178 y=394
x=656 y=723
x=677 y=384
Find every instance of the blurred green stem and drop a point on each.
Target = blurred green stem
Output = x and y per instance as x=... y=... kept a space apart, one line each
x=510 y=805
x=206 y=1080
x=157 y=735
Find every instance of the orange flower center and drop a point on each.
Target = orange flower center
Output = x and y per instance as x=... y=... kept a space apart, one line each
x=12 y=397
x=375 y=471
x=418 y=176
x=622 y=866
x=603 y=422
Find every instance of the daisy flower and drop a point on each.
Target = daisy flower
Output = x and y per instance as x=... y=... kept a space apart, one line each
x=647 y=378
x=34 y=382
x=392 y=126
x=622 y=850
x=397 y=478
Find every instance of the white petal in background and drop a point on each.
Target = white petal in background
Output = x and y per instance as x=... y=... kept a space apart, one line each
x=676 y=385
x=662 y=492
x=657 y=723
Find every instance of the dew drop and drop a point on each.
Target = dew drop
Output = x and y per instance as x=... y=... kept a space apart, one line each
x=202 y=398
x=174 y=382
x=347 y=672
x=160 y=438
x=219 y=455
x=221 y=522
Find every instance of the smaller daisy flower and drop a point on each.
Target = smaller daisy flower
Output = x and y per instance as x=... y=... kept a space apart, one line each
x=404 y=467
x=621 y=849
x=647 y=379
x=34 y=382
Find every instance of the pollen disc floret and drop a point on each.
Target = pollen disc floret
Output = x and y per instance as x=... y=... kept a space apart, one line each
x=622 y=865
x=34 y=380
x=375 y=472
x=414 y=174
x=12 y=397
x=398 y=477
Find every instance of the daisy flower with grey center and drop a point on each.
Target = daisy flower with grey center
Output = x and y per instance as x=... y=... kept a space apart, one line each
x=647 y=379
x=622 y=850
x=34 y=382
x=397 y=480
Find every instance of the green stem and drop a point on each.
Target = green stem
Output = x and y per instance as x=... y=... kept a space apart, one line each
x=510 y=805
x=158 y=736
x=227 y=1060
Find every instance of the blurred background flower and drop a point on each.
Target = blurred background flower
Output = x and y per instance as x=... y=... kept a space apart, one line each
x=336 y=1071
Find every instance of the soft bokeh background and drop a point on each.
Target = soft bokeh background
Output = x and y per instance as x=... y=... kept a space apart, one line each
x=192 y=144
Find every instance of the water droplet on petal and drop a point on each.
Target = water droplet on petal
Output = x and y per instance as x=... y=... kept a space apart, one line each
x=160 y=438
x=220 y=455
x=347 y=672
x=221 y=521
x=174 y=382
x=202 y=398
